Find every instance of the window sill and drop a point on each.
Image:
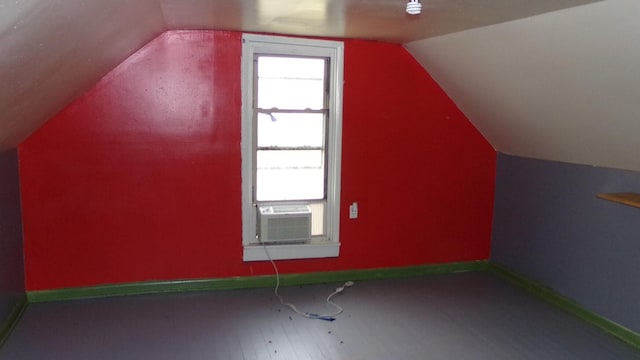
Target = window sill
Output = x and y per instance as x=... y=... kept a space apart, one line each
x=313 y=250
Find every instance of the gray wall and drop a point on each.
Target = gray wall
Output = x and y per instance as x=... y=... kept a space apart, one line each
x=550 y=227
x=11 y=254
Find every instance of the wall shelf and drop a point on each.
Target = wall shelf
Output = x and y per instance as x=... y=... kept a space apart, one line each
x=627 y=198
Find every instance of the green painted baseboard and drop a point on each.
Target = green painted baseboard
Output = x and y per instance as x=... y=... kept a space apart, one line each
x=628 y=336
x=12 y=320
x=157 y=287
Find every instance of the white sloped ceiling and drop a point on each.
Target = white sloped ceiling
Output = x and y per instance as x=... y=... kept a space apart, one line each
x=562 y=86
x=52 y=51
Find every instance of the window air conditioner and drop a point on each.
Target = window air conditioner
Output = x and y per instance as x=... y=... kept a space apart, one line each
x=284 y=223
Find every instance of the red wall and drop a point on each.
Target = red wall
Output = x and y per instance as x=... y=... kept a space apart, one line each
x=139 y=179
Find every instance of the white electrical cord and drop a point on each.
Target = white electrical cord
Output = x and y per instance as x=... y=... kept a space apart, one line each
x=327 y=317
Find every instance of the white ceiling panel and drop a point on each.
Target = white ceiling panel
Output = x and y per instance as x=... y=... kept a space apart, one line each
x=383 y=20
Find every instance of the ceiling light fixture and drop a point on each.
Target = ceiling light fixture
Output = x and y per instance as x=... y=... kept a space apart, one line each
x=414 y=7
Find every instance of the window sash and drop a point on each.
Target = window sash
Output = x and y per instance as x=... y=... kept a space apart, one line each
x=325 y=111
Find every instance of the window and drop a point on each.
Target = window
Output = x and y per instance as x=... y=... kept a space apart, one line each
x=291 y=140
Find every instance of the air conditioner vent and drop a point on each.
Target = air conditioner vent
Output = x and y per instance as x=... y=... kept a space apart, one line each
x=284 y=223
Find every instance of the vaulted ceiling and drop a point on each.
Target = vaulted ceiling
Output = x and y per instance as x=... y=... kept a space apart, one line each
x=549 y=79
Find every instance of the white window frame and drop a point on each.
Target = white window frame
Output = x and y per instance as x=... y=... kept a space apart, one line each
x=277 y=45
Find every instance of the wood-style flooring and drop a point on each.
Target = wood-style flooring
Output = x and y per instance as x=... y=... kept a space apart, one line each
x=455 y=316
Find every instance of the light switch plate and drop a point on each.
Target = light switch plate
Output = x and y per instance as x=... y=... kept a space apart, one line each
x=353 y=211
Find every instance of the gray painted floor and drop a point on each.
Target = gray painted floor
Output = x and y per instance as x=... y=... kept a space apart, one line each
x=456 y=316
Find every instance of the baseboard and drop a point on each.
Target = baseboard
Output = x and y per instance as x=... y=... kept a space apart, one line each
x=158 y=287
x=12 y=320
x=628 y=336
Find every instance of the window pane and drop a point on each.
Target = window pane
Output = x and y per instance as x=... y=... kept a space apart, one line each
x=291 y=67
x=290 y=159
x=290 y=83
x=290 y=175
x=290 y=94
x=288 y=184
x=286 y=129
